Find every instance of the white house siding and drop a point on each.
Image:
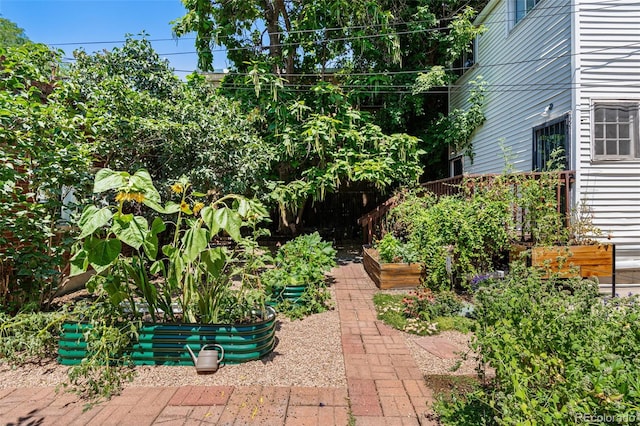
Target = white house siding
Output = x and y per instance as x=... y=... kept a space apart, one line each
x=608 y=65
x=526 y=67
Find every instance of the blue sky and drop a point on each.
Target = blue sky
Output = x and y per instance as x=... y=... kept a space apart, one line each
x=69 y=24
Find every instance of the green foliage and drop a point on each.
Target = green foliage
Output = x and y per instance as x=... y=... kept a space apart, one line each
x=296 y=41
x=456 y=128
x=29 y=336
x=461 y=34
x=471 y=231
x=374 y=45
x=389 y=310
x=378 y=47
x=44 y=152
x=542 y=222
x=32 y=336
x=142 y=116
x=392 y=250
x=10 y=34
x=315 y=299
x=302 y=261
x=105 y=370
x=192 y=271
x=561 y=353
x=322 y=143
x=458 y=323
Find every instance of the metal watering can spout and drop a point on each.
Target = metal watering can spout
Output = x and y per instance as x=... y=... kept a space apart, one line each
x=207 y=360
x=193 y=356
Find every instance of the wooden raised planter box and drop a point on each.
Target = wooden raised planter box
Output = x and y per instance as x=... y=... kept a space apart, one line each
x=391 y=275
x=594 y=260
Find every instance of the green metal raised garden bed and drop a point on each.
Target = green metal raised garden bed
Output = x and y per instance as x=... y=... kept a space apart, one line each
x=164 y=344
x=292 y=293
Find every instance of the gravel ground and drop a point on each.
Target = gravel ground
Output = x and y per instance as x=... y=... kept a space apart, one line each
x=308 y=352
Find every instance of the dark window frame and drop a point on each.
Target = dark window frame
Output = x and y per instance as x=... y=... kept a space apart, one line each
x=560 y=126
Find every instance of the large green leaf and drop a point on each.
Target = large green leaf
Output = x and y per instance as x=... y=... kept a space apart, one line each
x=171 y=207
x=154 y=205
x=158 y=268
x=195 y=240
x=243 y=207
x=107 y=179
x=150 y=244
x=141 y=181
x=102 y=253
x=214 y=260
x=230 y=221
x=223 y=218
x=131 y=230
x=79 y=263
x=93 y=219
x=209 y=218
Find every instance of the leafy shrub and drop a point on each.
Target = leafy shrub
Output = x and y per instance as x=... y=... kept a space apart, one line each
x=43 y=150
x=561 y=353
x=392 y=250
x=302 y=261
x=29 y=335
x=103 y=373
x=472 y=231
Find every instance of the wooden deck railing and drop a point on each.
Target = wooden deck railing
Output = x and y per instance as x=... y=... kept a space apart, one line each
x=371 y=222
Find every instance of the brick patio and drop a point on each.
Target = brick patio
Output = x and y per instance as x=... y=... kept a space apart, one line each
x=384 y=386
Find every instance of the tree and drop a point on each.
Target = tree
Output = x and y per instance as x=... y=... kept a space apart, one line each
x=369 y=43
x=142 y=116
x=10 y=34
x=319 y=144
x=302 y=36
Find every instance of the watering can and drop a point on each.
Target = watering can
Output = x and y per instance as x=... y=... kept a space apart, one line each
x=207 y=360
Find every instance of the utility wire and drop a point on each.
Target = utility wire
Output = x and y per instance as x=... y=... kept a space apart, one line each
x=614 y=4
x=425 y=70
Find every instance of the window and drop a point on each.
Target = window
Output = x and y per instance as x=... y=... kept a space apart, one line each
x=615 y=131
x=522 y=7
x=456 y=166
x=550 y=145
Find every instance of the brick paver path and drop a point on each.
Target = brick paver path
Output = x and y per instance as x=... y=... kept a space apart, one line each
x=384 y=386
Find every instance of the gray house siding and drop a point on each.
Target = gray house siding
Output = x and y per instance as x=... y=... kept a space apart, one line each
x=608 y=68
x=526 y=67
x=573 y=54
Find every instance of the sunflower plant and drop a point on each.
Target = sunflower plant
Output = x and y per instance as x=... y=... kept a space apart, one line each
x=187 y=279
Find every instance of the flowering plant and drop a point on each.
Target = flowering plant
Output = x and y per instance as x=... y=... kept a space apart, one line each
x=187 y=279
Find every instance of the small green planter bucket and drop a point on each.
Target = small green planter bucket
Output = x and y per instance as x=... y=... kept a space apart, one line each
x=291 y=293
x=164 y=344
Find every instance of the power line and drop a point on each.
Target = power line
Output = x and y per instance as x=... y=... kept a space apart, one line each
x=611 y=4
x=489 y=65
x=315 y=30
